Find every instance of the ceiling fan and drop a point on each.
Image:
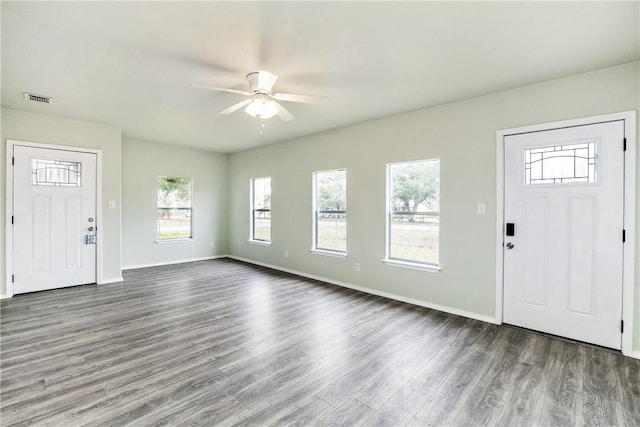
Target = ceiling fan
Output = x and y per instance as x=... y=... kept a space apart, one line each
x=261 y=102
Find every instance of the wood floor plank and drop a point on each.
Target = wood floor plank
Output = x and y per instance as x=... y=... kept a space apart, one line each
x=306 y=414
x=562 y=404
x=224 y=343
x=350 y=413
x=384 y=386
x=452 y=395
x=524 y=401
x=488 y=397
x=600 y=380
x=402 y=405
x=628 y=375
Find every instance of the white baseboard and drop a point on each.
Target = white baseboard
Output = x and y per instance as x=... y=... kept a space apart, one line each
x=111 y=280
x=180 y=261
x=376 y=292
x=636 y=354
x=5 y=296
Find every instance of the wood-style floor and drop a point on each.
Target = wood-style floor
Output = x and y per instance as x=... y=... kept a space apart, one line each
x=226 y=343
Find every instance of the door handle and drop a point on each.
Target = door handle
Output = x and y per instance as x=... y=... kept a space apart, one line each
x=510 y=245
x=91 y=228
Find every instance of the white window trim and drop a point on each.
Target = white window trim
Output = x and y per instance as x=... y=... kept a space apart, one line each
x=431 y=268
x=329 y=253
x=176 y=240
x=259 y=242
x=628 y=274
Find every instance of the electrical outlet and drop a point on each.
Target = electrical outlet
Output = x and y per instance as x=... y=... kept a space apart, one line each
x=286 y=254
x=482 y=208
x=357 y=266
x=211 y=244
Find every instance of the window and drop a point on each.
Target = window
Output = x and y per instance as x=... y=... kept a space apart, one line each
x=413 y=203
x=560 y=164
x=261 y=209
x=174 y=208
x=57 y=173
x=330 y=210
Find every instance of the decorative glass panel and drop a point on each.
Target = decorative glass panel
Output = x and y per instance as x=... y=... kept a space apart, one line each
x=560 y=164
x=57 y=173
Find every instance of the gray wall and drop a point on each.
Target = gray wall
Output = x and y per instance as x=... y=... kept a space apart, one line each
x=463 y=136
x=30 y=127
x=142 y=163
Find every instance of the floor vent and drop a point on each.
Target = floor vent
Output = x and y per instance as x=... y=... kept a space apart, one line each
x=38 y=98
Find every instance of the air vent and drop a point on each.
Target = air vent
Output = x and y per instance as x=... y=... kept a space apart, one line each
x=38 y=98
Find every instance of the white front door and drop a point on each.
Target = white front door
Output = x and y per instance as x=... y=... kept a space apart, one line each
x=563 y=253
x=54 y=218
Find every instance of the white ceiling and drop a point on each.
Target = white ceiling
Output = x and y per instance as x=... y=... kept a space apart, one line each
x=129 y=64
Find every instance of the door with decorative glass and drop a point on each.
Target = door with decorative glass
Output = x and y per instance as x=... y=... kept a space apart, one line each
x=54 y=218
x=563 y=243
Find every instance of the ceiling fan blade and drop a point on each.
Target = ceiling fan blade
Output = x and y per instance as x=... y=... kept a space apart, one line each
x=284 y=115
x=307 y=99
x=220 y=89
x=236 y=107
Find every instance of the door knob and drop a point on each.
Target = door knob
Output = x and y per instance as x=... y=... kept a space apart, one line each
x=510 y=245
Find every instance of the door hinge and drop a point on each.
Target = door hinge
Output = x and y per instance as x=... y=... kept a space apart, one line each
x=11 y=219
x=622 y=326
x=13 y=278
x=624 y=235
x=624 y=144
x=13 y=161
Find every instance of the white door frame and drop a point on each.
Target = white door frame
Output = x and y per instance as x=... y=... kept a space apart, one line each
x=9 y=205
x=628 y=281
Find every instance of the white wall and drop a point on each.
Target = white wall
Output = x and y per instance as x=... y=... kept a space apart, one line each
x=463 y=136
x=30 y=127
x=142 y=163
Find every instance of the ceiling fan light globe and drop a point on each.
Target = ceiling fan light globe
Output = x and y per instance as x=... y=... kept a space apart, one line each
x=269 y=110
x=255 y=108
x=261 y=108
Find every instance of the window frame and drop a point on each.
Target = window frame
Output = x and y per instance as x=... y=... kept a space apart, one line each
x=403 y=262
x=315 y=212
x=190 y=209
x=253 y=210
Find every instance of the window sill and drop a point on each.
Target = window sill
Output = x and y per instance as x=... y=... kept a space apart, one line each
x=259 y=242
x=412 y=265
x=166 y=241
x=325 y=252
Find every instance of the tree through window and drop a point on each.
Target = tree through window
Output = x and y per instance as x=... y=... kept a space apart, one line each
x=413 y=230
x=330 y=210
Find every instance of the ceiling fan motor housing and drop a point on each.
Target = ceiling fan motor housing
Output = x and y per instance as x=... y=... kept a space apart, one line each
x=261 y=81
